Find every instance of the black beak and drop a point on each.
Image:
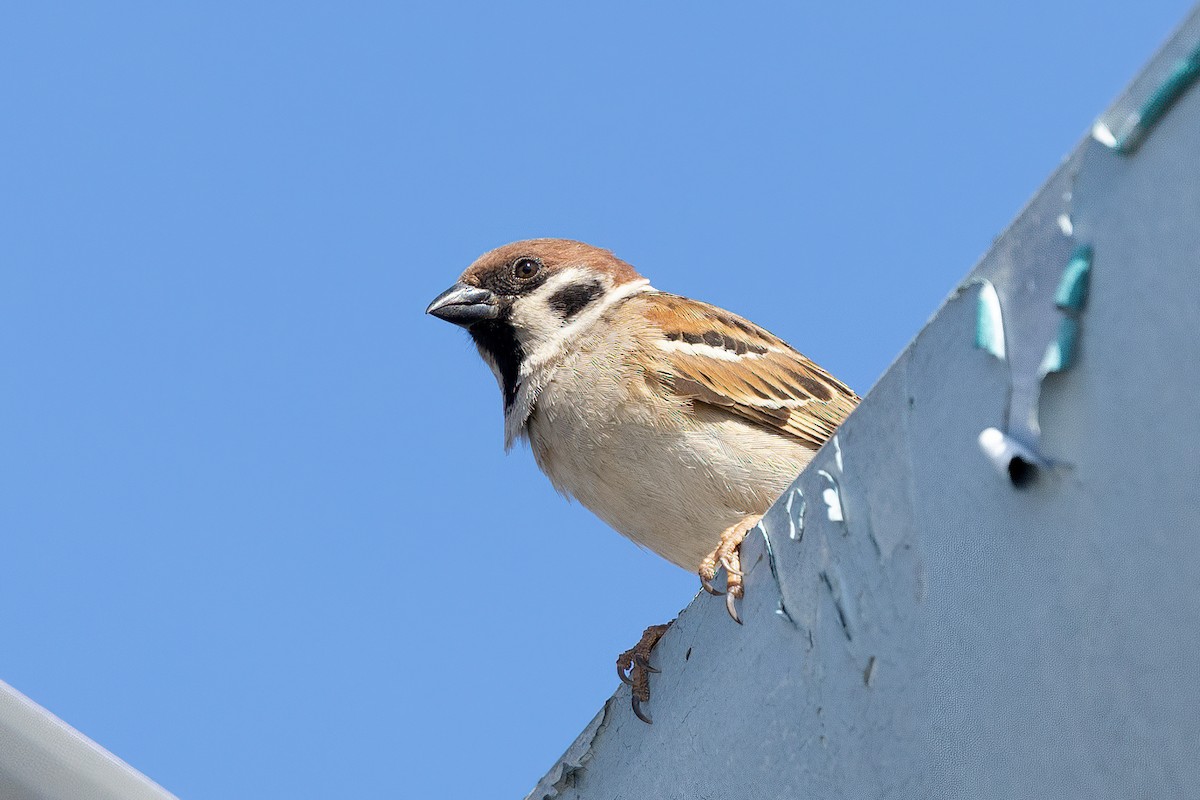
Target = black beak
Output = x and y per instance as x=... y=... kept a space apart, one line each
x=464 y=305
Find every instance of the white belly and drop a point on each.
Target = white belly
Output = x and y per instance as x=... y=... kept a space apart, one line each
x=669 y=482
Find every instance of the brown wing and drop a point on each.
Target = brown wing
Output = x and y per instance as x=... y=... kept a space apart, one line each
x=720 y=359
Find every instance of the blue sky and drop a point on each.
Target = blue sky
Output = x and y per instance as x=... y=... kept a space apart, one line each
x=260 y=535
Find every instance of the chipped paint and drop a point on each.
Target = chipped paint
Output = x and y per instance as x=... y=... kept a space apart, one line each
x=832 y=497
x=1072 y=291
x=989 y=321
x=565 y=773
x=832 y=578
x=795 y=506
x=781 y=608
x=1137 y=126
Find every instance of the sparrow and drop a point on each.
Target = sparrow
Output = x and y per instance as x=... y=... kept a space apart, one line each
x=676 y=422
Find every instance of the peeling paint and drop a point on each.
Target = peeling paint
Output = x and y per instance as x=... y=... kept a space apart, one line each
x=566 y=772
x=832 y=497
x=782 y=608
x=836 y=585
x=869 y=672
x=795 y=514
x=989 y=321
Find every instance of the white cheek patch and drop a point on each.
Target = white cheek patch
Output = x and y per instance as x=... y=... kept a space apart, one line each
x=532 y=318
x=540 y=325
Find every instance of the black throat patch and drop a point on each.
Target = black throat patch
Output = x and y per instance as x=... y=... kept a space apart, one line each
x=570 y=300
x=498 y=339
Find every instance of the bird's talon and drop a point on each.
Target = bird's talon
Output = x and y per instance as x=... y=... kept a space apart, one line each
x=633 y=668
x=644 y=663
x=731 y=607
x=708 y=587
x=727 y=555
x=624 y=664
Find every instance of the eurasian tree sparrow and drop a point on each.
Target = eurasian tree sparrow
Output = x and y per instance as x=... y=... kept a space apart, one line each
x=676 y=422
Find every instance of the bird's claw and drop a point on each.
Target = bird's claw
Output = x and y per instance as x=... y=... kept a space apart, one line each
x=634 y=670
x=727 y=555
x=637 y=711
x=644 y=663
x=731 y=607
x=621 y=672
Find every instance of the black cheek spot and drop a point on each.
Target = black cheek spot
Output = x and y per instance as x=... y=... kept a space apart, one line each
x=570 y=300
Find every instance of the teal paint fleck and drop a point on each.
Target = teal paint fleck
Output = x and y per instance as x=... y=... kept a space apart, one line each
x=1061 y=351
x=989 y=321
x=1155 y=108
x=1076 y=278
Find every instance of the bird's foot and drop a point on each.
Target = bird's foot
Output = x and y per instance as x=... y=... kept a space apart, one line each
x=727 y=555
x=633 y=667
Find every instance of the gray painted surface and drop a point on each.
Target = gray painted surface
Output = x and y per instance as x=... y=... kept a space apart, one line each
x=43 y=758
x=954 y=635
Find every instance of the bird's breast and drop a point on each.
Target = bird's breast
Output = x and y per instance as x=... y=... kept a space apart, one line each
x=668 y=476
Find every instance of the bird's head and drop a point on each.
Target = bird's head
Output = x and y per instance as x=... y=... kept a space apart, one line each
x=524 y=302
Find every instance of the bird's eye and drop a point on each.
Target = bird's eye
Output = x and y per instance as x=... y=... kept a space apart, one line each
x=526 y=267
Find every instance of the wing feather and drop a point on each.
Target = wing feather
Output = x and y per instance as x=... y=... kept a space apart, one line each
x=720 y=359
